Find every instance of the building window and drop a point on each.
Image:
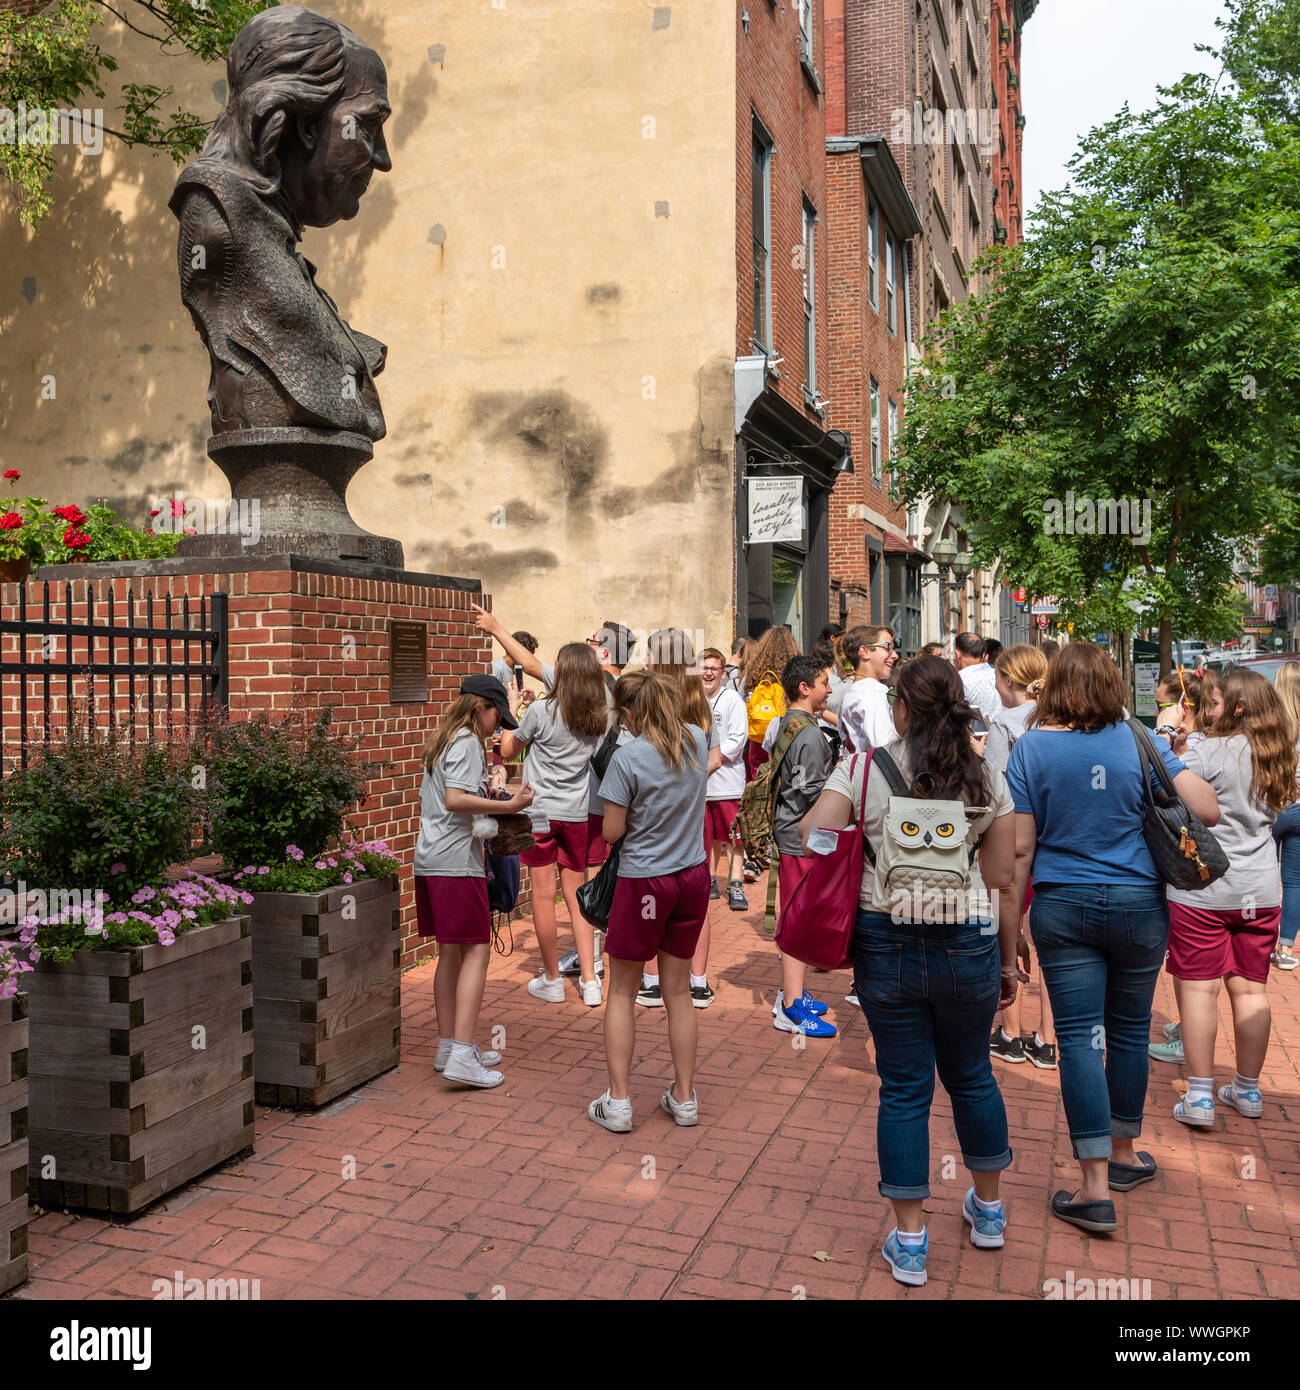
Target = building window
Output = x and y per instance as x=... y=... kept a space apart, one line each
x=761 y=176
x=891 y=444
x=891 y=312
x=903 y=611
x=806 y=31
x=809 y=298
x=873 y=250
x=875 y=432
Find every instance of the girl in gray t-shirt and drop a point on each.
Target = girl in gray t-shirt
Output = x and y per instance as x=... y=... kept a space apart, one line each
x=451 y=901
x=1225 y=933
x=561 y=733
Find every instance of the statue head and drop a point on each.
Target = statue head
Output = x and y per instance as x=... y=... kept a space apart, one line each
x=304 y=114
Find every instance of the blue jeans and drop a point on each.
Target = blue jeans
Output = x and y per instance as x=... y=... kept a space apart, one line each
x=1286 y=831
x=1100 y=948
x=930 y=993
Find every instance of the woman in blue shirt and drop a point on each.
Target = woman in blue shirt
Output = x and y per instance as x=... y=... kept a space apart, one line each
x=1099 y=918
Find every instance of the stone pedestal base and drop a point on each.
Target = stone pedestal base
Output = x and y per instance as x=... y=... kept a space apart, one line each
x=292 y=485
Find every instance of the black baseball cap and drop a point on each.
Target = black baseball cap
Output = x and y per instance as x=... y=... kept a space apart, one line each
x=489 y=688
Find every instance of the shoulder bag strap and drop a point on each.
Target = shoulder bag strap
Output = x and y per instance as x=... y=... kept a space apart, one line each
x=868 y=852
x=892 y=775
x=600 y=759
x=1151 y=761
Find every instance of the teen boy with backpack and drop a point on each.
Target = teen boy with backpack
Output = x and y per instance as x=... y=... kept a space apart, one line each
x=802 y=761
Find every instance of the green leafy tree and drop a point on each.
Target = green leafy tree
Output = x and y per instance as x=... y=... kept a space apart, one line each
x=1142 y=343
x=54 y=59
x=1261 y=52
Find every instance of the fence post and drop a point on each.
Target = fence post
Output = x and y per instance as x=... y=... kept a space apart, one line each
x=219 y=620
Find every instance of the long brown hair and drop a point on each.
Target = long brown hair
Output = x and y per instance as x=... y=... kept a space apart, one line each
x=652 y=701
x=579 y=690
x=462 y=713
x=1083 y=689
x=670 y=653
x=1267 y=726
x=767 y=656
x=939 y=720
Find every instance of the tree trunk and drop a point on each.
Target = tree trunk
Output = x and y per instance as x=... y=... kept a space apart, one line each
x=1166 y=647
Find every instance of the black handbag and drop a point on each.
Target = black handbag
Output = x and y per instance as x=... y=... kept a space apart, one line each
x=595 y=899
x=1186 y=855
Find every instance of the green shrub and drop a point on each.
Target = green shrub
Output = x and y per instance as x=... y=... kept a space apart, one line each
x=96 y=811
x=278 y=782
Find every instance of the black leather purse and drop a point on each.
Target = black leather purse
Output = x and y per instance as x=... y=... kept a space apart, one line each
x=595 y=899
x=1186 y=855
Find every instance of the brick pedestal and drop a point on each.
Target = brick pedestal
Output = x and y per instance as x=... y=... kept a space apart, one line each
x=311 y=630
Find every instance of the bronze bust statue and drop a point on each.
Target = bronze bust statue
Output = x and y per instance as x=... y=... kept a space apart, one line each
x=292 y=389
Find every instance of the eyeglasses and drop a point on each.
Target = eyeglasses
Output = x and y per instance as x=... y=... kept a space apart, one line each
x=1166 y=704
x=888 y=646
x=711 y=670
x=594 y=642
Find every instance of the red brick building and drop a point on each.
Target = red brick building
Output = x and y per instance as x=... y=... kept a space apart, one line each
x=1006 y=22
x=788 y=456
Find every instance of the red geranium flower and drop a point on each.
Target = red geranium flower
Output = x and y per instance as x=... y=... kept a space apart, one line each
x=72 y=514
x=178 y=508
x=10 y=521
x=13 y=473
x=74 y=539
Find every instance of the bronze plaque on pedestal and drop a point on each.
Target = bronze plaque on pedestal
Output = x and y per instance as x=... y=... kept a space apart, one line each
x=408 y=662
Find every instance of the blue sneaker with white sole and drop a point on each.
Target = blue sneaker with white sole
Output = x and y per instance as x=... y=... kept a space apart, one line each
x=907 y=1261
x=1197 y=1113
x=800 y=1019
x=1248 y=1103
x=814 y=1006
x=986 y=1227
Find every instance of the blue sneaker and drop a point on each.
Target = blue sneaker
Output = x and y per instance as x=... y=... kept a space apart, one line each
x=1197 y=1113
x=814 y=1006
x=907 y=1262
x=986 y=1227
x=801 y=1020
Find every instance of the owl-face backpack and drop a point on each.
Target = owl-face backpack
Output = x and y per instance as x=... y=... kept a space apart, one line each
x=923 y=863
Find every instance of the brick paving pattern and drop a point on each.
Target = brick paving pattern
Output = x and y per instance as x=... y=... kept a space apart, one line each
x=514 y=1193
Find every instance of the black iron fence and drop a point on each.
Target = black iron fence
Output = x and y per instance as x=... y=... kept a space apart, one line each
x=132 y=658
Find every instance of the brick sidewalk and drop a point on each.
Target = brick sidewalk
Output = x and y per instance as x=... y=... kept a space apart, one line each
x=515 y=1193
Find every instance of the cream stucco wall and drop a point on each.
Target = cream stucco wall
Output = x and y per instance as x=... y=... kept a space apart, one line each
x=559 y=383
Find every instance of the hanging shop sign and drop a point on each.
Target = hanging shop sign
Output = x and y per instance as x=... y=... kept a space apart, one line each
x=775 y=510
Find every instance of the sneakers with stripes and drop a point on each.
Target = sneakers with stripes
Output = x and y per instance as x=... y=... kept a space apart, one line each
x=615 y=1116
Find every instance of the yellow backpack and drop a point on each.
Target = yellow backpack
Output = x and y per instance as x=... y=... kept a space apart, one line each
x=764 y=705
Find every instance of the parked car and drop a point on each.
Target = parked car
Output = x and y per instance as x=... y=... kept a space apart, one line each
x=1267 y=666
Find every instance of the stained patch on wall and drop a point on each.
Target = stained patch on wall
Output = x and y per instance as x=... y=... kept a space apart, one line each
x=137 y=454
x=602 y=294
x=493 y=567
x=517 y=512
x=29 y=288
x=547 y=425
x=413 y=479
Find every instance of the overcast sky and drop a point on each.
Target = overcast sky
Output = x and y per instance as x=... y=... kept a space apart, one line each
x=1081 y=60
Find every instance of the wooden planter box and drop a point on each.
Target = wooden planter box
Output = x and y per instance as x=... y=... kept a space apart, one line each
x=13 y=1142
x=327 y=1000
x=124 y=1106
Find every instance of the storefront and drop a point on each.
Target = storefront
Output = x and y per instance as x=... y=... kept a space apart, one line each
x=786 y=468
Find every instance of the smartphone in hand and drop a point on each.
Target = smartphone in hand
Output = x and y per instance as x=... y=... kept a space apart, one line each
x=519 y=677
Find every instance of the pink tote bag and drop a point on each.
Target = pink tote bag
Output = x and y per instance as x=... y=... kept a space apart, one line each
x=816 y=925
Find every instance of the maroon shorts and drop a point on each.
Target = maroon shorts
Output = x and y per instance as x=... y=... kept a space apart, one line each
x=791 y=869
x=719 y=817
x=597 y=845
x=454 y=911
x=755 y=756
x=565 y=841
x=1209 y=943
x=666 y=913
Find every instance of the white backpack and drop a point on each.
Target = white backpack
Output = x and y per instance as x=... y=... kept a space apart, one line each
x=923 y=863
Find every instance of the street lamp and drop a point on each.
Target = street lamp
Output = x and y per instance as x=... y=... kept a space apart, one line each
x=948 y=558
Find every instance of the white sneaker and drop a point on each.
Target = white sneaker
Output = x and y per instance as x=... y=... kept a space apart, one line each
x=465 y=1067
x=1284 y=958
x=445 y=1045
x=551 y=991
x=602 y=1110
x=687 y=1113
x=591 y=995
x=1248 y=1103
